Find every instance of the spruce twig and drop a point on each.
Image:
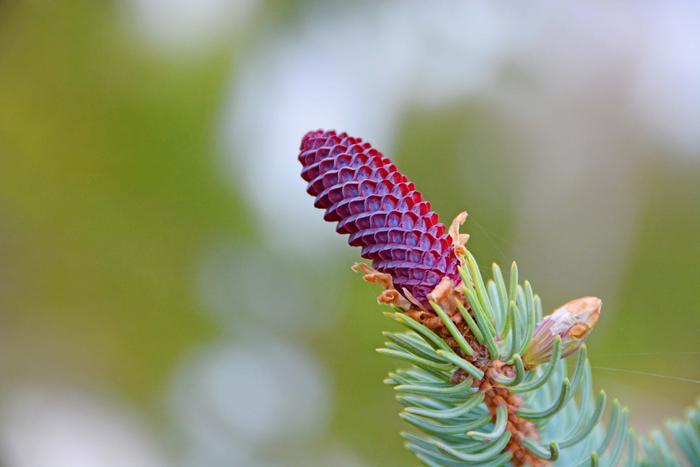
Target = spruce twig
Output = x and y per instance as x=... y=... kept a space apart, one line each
x=487 y=382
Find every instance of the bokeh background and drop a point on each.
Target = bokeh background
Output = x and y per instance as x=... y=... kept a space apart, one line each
x=168 y=295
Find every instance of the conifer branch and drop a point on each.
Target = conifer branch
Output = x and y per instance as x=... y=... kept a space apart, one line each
x=487 y=381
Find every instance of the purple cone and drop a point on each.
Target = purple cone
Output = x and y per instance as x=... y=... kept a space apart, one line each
x=380 y=209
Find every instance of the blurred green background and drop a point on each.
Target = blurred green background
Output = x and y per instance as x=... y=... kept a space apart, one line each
x=150 y=199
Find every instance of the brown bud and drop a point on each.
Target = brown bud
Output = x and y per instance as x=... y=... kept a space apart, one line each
x=571 y=321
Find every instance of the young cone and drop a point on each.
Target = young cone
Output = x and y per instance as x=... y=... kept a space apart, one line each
x=380 y=209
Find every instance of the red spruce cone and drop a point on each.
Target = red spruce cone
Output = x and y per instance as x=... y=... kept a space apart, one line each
x=381 y=210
